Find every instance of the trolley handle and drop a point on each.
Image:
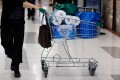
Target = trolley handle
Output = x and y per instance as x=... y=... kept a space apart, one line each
x=95 y=61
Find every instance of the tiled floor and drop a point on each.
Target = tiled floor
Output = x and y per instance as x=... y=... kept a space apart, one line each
x=31 y=37
x=105 y=49
x=113 y=51
x=116 y=77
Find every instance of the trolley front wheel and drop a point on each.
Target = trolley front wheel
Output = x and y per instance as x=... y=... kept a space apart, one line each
x=92 y=68
x=42 y=64
x=92 y=72
x=45 y=69
x=45 y=72
x=45 y=75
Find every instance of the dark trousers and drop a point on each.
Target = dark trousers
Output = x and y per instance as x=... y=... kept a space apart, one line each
x=75 y=2
x=70 y=1
x=12 y=36
x=31 y=11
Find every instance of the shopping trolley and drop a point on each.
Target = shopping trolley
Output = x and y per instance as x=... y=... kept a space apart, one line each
x=65 y=34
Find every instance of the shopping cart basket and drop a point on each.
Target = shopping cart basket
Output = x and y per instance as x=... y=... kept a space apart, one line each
x=66 y=35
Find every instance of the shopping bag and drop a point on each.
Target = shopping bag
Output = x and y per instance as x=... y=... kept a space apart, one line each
x=87 y=29
x=44 y=37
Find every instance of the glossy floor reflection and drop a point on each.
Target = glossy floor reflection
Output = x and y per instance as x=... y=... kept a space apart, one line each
x=113 y=51
x=31 y=37
x=116 y=77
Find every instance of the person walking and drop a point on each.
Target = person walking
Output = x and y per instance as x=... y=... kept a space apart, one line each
x=31 y=11
x=12 y=30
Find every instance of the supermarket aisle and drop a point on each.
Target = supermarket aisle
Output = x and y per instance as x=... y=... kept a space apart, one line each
x=105 y=49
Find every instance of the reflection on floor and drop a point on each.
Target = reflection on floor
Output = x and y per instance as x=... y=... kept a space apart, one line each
x=31 y=37
x=113 y=51
x=116 y=77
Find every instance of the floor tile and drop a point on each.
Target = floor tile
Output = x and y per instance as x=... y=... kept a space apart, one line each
x=36 y=21
x=115 y=77
x=31 y=37
x=113 y=51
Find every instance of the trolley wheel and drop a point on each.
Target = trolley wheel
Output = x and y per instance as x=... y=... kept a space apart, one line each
x=92 y=72
x=45 y=75
x=45 y=69
x=92 y=68
x=42 y=64
x=45 y=72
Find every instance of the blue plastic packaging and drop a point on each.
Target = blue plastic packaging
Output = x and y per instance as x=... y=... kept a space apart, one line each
x=86 y=29
x=56 y=33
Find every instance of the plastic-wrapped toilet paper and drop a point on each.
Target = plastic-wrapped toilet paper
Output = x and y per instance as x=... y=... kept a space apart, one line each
x=68 y=19
x=58 y=17
x=60 y=13
x=75 y=20
x=65 y=30
x=56 y=20
x=72 y=20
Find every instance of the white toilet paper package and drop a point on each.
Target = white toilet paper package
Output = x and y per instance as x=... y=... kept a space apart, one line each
x=75 y=20
x=67 y=31
x=68 y=19
x=64 y=25
x=58 y=17
x=60 y=13
x=72 y=20
x=56 y=20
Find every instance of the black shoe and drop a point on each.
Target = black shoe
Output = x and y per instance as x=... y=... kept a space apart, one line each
x=17 y=74
x=33 y=18
x=15 y=68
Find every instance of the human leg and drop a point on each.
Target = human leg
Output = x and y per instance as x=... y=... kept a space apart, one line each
x=75 y=2
x=7 y=39
x=33 y=10
x=29 y=13
x=33 y=14
x=18 y=44
x=70 y=1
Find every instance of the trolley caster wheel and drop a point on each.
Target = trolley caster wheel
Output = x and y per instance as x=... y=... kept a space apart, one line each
x=92 y=72
x=45 y=75
x=92 y=68
x=45 y=71
x=42 y=64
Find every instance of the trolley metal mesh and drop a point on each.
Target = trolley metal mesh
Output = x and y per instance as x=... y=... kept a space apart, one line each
x=85 y=30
